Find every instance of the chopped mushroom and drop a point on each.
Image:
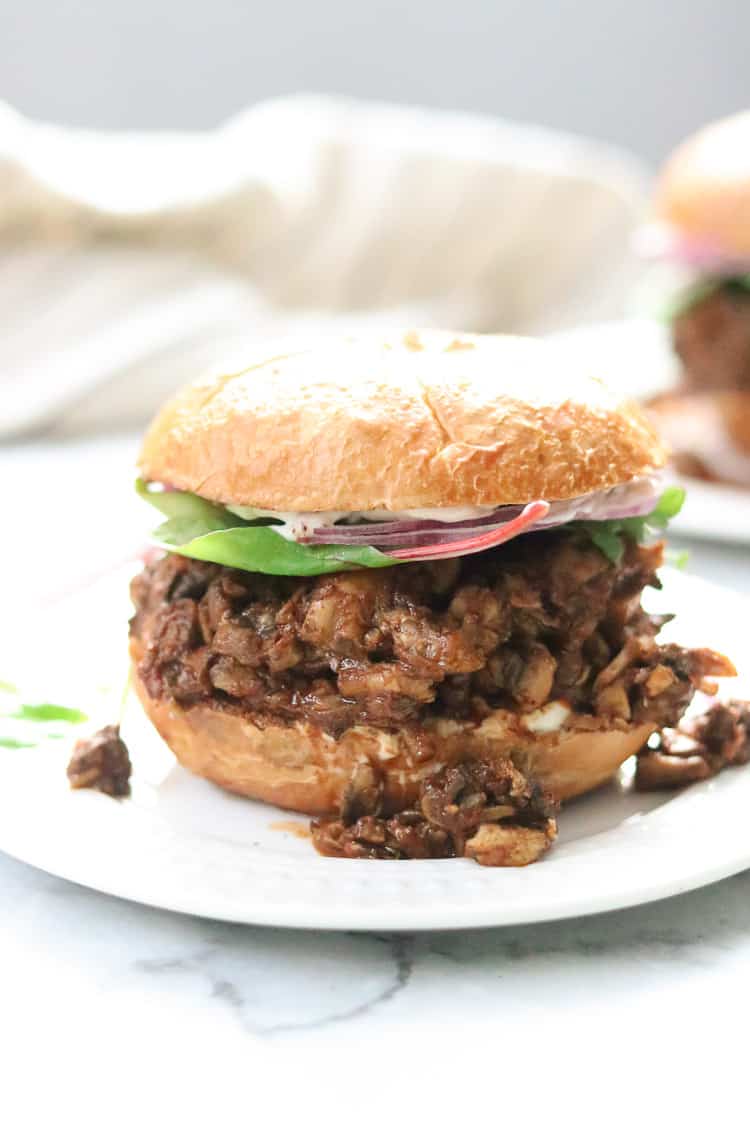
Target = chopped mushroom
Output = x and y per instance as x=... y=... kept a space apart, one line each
x=542 y=619
x=656 y=769
x=697 y=750
x=101 y=762
x=407 y=835
x=500 y=845
x=363 y=795
x=490 y=812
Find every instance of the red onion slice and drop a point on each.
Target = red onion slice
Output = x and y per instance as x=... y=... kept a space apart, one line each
x=420 y=536
x=635 y=498
x=386 y=528
x=530 y=515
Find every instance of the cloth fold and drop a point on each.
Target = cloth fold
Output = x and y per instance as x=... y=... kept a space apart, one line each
x=130 y=262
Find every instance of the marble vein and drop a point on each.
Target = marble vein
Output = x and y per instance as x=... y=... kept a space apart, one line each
x=231 y=980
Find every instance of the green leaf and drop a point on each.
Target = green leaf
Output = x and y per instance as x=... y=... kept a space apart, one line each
x=201 y=530
x=607 y=535
x=34 y=724
x=48 y=713
x=195 y=515
x=668 y=506
x=263 y=550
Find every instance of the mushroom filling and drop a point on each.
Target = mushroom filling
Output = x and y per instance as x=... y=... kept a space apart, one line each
x=544 y=619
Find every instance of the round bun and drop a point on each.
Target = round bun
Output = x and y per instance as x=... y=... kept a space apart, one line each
x=704 y=189
x=424 y=422
x=300 y=767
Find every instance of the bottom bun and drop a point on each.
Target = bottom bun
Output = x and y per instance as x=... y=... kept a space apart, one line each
x=299 y=766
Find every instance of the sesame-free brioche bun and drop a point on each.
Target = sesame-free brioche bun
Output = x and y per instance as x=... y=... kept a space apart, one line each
x=704 y=189
x=428 y=421
x=298 y=766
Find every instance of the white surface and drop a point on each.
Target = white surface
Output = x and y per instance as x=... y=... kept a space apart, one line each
x=180 y=843
x=129 y=263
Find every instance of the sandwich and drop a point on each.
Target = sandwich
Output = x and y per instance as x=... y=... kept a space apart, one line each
x=398 y=588
x=702 y=235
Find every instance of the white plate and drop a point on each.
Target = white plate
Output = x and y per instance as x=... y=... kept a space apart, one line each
x=636 y=357
x=181 y=844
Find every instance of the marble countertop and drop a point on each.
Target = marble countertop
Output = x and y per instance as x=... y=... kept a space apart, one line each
x=86 y=979
x=107 y=1003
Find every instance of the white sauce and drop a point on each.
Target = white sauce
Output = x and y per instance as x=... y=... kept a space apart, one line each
x=445 y=515
x=299 y=525
x=294 y=525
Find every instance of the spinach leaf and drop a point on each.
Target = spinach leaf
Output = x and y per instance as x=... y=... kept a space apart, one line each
x=191 y=514
x=263 y=550
x=201 y=530
x=607 y=535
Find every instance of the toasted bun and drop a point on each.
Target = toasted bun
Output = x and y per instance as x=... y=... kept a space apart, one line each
x=300 y=767
x=426 y=422
x=704 y=189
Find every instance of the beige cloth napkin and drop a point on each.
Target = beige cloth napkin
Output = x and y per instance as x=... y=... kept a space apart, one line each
x=130 y=262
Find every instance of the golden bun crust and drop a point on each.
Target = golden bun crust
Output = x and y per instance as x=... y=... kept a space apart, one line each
x=704 y=188
x=428 y=421
x=302 y=768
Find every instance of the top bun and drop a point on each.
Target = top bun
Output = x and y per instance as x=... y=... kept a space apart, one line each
x=704 y=188
x=428 y=421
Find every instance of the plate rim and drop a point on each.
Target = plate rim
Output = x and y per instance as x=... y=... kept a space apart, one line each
x=359 y=919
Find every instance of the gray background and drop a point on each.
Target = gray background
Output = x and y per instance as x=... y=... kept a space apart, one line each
x=642 y=73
